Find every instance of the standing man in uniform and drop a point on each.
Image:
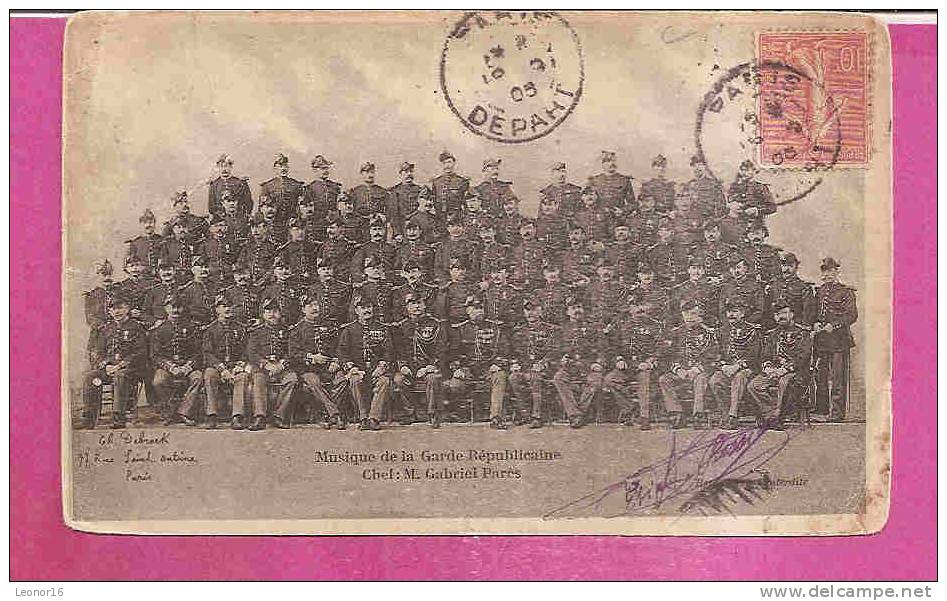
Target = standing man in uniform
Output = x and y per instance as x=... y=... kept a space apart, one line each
x=257 y=253
x=562 y=192
x=337 y=250
x=147 y=245
x=658 y=192
x=284 y=290
x=368 y=198
x=706 y=190
x=789 y=287
x=196 y=227
x=198 y=294
x=833 y=312
x=269 y=360
x=333 y=293
x=753 y=199
x=243 y=295
x=224 y=345
x=97 y=299
x=219 y=250
x=299 y=252
x=282 y=190
x=236 y=187
x=376 y=246
x=614 y=189
x=117 y=353
x=402 y=199
x=450 y=189
x=322 y=193
x=492 y=191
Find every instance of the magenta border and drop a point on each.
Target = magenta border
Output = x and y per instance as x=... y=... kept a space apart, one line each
x=42 y=548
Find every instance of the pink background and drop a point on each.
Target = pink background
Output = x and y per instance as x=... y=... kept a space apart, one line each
x=42 y=548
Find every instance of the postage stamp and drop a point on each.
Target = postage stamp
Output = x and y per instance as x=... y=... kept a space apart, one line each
x=824 y=91
x=512 y=76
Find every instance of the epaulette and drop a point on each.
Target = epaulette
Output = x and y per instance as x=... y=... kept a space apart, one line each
x=457 y=325
x=244 y=178
x=256 y=324
x=500 y=181
x=132 y=240
x=399 y=323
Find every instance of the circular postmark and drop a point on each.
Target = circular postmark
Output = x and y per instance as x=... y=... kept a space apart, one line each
x=512 y=76
x=772 y=114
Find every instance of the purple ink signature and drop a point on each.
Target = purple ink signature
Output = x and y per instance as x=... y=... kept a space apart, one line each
x=693 y=465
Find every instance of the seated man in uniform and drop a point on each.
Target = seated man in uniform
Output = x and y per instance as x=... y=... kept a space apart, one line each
x=177 y=357
x=116 y=353
x=268 y=356
x=225 y=360
x=739 y=360
x=312 y=345
x=640 y=346
x=365 y=351
x=481 y=350
x=533 y=357
x=421 y=341
x=692 y=353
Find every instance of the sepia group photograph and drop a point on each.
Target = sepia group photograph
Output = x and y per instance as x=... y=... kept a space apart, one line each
x=476 y=272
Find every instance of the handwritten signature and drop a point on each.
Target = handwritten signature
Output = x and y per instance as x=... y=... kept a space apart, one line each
x=708 y=462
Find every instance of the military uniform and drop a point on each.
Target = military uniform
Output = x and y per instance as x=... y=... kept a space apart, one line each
x=834 y=305
x=257 y=255
x=463 y=249
x=237 y=187
x=607 y=300
x=481 y=351
x=553 y=298
x=381 y=250
x=198 y=298
x=196 y=227
x=369 y=199
x=154 y=301
x=794 y=291
x=179 y=253
x=474 y=221
x=748 y=292
x=580 y=368
x=594 y=221
x=146 y=248
x=286 y=296
x=494 y=194
x=640 y=347
x=655 y=298
x=246 y=301
x=338 y=252
x=536 y=353
x=708 y=195
x=657 y=193
x=668 y=261
x=368 y=348
x=451 y=302
x=624 y=256
x=567 y=196
x=402 y=202
x=333 y=295
x=177 y=358
x=425 y=291
x=552 y=231
x=699 y=291
x=225 y=350
x=268 y=345
x=763 y=261
x=354 y=227
x=300 y=256
x=489 y=257
x=694 y=349
x=312 y=345
x=527 y=258
x=220 y=254
x=450 y=191
x=238 y=228
x=430 y=224
x=284 y=191
x=421 y=345
x=135 y=291
x=503 y=303
x=120 y=344
x=740 y=348
x=96 y=305
x=418 y=252
x=716 y=257
x=751 y=194
x=378 y=293
x=324 y=196
x=787 y=347
x=614 y=191
x=579 y=262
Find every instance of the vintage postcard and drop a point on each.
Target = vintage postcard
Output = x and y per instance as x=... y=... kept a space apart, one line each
x=476 y=272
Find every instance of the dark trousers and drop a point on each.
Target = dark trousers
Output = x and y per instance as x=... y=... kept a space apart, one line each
x=124 y=383
x=832 y=380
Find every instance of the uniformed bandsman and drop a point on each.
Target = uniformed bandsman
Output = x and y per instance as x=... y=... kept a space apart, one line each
x=238 y=223
x=402 y=199
x=299 y=252
x=337 y=251
x=377 y=246
x=740 y=348
x=785 y=367
x=269 y=213
x=761 y=258
x=706 y=190
x=135 y=287
x=243 y=295
x=552 y=228
x=365 y=352
x=693 y=353
x=697 y=289
x=147 y=245
x=450 y=189
x=226 y=182
x=224 y=345
x=647 y=292
x=155 y=296
x=178 y=250
x=312 y=346
x=421 y=346
x=333 y=293
x=623 y=252
x=219 y=250
x=414 y=250
x=416 y=285
x=198 y=293
x=177 y=358
x=368 y=198
x=658 y=192
x=534 y=358
x=451 y=304
x=97 y=300
x=639 y=358
x=322 y=193
x=117 y=354
x=492 y=191
x=458 y=245
x=373 y=289
x=502 y=298
x=740 y=285
x=352 y=226
x=313 y=225
x=565 y=194
x=269 y=361
x=791 y=288
x=527 y=256
x=591 y=217
x=753 y=199
x=581 y=365
x=196 y=227
x=257 y=253
x=833 y=312
x=480 y=351
x=614 y=189
x=553 y=293
x=284 y=291
x=283 y=190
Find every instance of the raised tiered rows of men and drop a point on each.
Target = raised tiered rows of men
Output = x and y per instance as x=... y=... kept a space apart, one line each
x=416 y=301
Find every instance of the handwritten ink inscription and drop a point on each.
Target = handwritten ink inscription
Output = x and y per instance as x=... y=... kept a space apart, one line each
x=139 y=457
